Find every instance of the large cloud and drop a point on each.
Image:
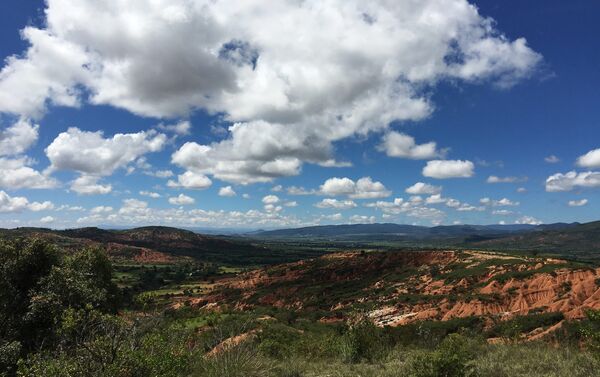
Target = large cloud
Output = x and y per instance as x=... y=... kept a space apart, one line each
x=17 y=138
x=19 y=203
x=94 y=156
x=293 y=76
x=590 y=159
x=442 y=169
x=15 y=170
x=571 y=180
x=364 y=188
x=49 y=72
x=92 y=153
x=16 y=174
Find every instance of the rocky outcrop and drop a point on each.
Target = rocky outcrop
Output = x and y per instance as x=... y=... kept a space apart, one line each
x=405 y=287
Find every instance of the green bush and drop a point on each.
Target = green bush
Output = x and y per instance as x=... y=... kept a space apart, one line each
x=590 y=331
x=453 y=358
x=116 y=348
x=363 y=342
x=278 y=341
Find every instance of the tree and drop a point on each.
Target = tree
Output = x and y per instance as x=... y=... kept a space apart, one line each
x=39 y=282
x=23 y=265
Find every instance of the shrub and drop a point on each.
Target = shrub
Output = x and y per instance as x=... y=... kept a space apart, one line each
x=116 y=349
x=363 y=341
x=453 y=358
x=590 y=330
x=277 y=340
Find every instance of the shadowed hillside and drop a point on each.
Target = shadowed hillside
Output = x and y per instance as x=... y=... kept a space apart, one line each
x=158 y=244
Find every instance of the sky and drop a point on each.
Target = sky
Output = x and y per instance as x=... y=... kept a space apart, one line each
x=228 y=114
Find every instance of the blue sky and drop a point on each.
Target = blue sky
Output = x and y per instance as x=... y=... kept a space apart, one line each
x=345 y=105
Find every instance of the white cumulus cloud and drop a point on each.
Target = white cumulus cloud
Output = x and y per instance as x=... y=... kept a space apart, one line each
x=396 y=144
x=47 y=219
x=150 y=194
x=421 y=188
x=270 y=199
x=571 y=180
x=18 y=137
x=101 y=209
x=443 y=169
x=227 y=191
x=363 y=188
x=9 y=204
x=191 y=180
x=91 y=153
x=578 y=203
x=181 y=199
x=16 y=174
x=590 y=159
x=336 y=204
x=88 y=185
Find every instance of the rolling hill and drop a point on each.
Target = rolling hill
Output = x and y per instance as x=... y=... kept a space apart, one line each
x=579 y=241
x=156 y=244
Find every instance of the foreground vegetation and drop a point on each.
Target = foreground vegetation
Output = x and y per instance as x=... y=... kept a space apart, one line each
x=69 y=314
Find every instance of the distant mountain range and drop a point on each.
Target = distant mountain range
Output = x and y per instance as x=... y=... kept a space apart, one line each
x=159 y=243
x=408 y=231
x=573 y=240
